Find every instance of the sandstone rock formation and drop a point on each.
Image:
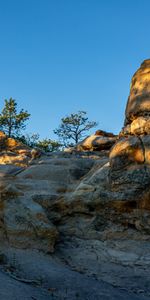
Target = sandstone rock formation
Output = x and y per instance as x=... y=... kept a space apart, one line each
x=96 y=142
x=139 y=98
x=90 y=205
x=137 y=114
x=13 y=151
x=106 y=195
x=130 y=156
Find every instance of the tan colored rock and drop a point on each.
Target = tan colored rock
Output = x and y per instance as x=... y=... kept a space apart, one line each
x=2 y=140
x=139 y=98
x=13 y=158
x=13 y=151
x=15 y=145
x=104 y=133
x=126 y=151
x=146 y=146
x=2 y=135
x=138 y=126
x=125 y=131
x=35 y=153
x=96 y=142
x=147 y=127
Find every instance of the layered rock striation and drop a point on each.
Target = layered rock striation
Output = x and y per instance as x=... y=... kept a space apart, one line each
x=96 y=190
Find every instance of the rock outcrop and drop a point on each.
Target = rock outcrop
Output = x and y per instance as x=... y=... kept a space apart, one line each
x=78 y=194
x=90 y=204
x=118 y=192
x=97 y=190
x=139 y=98
x=101 y=140
x=137 y=114
x=28 y=195
x=130 y=156
x=13 y=151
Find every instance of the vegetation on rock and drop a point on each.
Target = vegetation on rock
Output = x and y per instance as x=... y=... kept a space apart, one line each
x=11 y=121
x=73 y=128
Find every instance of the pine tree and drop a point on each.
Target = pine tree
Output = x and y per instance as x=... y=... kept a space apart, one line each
x=73 y=128
x=11 y=121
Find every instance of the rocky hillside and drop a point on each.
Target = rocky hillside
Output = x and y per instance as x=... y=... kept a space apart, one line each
x=77 y=223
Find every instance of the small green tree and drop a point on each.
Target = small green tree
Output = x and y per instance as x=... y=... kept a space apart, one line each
x=11 y=121
x=74 y=127
x=30 y=140
x=48 y=145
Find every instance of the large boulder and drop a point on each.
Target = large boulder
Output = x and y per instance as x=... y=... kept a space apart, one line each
x=15 y=152
x=139 y=98
x=126 y=151
x=101 y=140
x=130 y=157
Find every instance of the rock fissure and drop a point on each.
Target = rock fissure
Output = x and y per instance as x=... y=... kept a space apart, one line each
x=143 y=148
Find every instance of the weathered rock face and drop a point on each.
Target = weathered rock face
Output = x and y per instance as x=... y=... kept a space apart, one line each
x=130 y=157
x=31 y=200
x=72 y=194
x=101 y=140
x=139 y=98
x=116 y=196
x=137 y=114
x=32 y=190
x=13 y=151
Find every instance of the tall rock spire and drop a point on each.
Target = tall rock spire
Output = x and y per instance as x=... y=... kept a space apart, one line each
x=139 y=99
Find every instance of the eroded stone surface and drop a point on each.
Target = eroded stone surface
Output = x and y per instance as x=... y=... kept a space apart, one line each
x=139 y=98
x=98 y=141
x=87 y=208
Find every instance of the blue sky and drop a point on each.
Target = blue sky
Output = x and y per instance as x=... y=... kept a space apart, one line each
x=61 y=56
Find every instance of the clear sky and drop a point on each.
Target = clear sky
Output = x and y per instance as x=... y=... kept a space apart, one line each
x=61 y=56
